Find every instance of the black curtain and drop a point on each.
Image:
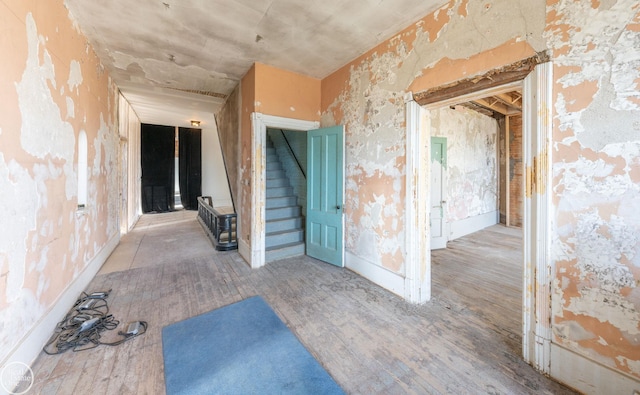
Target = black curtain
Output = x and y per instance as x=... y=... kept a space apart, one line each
x=158 y=161
x=190 y=164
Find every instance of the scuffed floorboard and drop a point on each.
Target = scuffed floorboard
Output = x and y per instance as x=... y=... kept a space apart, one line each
x=466 y=341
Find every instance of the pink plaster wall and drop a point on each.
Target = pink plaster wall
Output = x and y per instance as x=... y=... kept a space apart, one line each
x=52 y=87
x=459 y=40
x=596 y=179
x=595 y=47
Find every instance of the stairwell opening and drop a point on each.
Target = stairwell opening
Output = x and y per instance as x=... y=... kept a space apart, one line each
x=285 y=194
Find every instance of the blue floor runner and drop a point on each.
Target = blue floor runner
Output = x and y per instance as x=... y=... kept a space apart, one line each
x=242 y=348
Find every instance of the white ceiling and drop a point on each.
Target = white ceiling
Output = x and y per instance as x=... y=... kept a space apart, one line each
x=160 y=51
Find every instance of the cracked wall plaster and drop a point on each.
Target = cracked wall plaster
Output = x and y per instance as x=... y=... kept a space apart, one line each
x=367 y=97
x=44 y=243
x=472 y=175
x=43 y=132
x=596 y=54
x=596 y=142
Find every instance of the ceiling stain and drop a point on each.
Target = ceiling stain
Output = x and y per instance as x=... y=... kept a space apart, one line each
x=215 y=35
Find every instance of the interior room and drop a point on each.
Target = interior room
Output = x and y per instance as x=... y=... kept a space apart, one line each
x=419 y=196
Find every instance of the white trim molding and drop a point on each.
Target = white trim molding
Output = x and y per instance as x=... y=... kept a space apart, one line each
x=417 y=288
x=537 y=137
x=473 y=224
x=244 y=249
x=377 y=274
x=259 y=125
x=587 y=376
x=537 y=268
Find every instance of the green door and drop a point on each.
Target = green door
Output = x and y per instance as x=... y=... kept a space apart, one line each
x=325 y=184
x=438 y=220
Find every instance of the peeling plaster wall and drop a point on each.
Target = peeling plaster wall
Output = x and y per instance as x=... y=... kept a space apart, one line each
x=275 y=92
x=595 y=47
x=596 y=179
x=52 y=87
x=243 y=205
x=228 y=120
x=461 y=39
x=472 y=174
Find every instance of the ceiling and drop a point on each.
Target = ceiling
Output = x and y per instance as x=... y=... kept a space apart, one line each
x=497 y=105
x=179 y=60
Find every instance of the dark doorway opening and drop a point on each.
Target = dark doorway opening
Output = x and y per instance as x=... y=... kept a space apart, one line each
x=190 y=164
x=158 y=152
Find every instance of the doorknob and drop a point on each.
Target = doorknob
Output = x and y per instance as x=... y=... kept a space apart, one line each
x=443 y=202
x=337 y=207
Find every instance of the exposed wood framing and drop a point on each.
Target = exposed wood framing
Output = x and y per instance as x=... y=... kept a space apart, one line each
x=504 y=75
x=498 y=105
x=512 y=99
x=472 y=105
x=507 y=170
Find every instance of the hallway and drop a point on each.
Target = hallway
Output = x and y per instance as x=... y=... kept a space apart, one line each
x=368 y=339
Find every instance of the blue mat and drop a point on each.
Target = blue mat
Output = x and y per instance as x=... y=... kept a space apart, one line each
x=242 y=348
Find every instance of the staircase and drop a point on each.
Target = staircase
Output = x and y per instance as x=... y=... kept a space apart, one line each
x=284 y=226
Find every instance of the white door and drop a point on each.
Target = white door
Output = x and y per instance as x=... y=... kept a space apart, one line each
x=438 y=192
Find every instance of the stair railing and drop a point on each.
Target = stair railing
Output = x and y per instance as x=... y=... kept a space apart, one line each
x=220 y=227
x=293 y=154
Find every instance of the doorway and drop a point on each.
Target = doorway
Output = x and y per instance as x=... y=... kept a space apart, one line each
x=190 y=167
x=286 y=194
x=476 y=165
x=536 y=263
x=158 y=153
x=480 y=268
x=255 y=254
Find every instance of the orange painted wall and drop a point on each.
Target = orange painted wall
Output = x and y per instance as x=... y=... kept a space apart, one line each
x=367 y=96
x=270 y=91
x=52 y=87
x=596 y=180
x=596 y=91
x=286 y=94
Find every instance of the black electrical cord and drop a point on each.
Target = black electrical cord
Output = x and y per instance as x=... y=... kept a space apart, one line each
x=83 y=325
x=128 y=336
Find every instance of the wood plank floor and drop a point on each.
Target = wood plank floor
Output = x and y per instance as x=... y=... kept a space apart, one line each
x=465 y=341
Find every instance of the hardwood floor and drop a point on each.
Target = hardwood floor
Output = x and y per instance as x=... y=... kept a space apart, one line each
x=465 y=341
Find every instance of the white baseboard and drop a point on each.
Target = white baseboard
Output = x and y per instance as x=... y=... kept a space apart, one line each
x=587 y=376
x=133 y=223
x=376 y=274
x=244 y=250
x=31 y=344
x=473 y=224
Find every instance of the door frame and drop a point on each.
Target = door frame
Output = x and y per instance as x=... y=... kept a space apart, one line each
x=259 y=124
x=443 y=186
x=537 y=262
